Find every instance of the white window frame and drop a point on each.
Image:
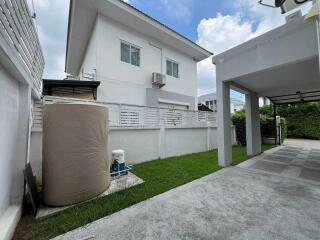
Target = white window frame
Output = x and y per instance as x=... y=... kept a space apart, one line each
x=130 y=45
x=172 y=61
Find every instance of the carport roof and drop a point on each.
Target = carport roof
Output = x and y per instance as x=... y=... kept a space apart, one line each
x=298 y=97
x=282 y=64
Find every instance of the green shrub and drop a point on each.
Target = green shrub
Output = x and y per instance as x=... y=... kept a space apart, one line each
x=239 y=121
x=298 y=120
x=303 y=120
x=266 y=125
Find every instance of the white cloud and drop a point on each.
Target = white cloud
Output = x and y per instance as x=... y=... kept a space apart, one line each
x=266 y=18
x=41 y=3
x=217 y=35
x=223 y=32
x=52 y=18
x=207 y=75
x=38 y=3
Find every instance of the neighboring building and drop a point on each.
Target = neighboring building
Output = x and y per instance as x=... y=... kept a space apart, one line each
x=71 y=88
x=122 y=47
x=21 y=67
x=210 y=100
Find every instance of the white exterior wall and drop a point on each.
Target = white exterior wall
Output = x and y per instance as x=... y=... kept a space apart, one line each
x=157 y=143
x=21 y=67
x=9 y=109
x=15 y=107
x=131 y=141
x=90 y=59
x=186 y=141
x=124 y=83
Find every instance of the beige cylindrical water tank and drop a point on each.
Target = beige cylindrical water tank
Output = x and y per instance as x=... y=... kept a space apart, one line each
x=75 y=161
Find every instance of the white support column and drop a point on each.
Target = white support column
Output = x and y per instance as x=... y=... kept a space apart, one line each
x=253 y=132
x=162 y=143
x=224 y=124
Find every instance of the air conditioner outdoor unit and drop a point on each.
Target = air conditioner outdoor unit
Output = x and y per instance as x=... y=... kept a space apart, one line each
x=158 y=79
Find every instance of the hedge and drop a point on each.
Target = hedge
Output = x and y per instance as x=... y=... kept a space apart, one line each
x=266 y=125
x=268 y=129
x=239 y=121
x=303 y=120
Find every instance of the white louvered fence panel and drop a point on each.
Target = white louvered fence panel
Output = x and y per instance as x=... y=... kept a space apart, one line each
x=132 y=116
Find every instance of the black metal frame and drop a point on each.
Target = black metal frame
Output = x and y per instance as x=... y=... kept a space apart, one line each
x=275 y=123
x=294 y=98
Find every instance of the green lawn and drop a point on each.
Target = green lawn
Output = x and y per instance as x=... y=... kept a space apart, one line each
x=159 y=176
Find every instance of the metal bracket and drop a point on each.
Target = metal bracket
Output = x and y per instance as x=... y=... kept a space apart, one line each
x=267 y=5
x=283 y=10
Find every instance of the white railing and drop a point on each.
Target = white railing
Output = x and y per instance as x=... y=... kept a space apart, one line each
x=134 y=116
x=19 y=39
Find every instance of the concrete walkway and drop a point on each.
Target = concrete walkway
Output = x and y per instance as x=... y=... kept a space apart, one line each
x=234 y=203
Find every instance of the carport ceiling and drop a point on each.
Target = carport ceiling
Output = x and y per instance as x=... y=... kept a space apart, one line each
x=285 y=79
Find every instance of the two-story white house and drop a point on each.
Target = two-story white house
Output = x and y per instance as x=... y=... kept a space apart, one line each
x=114 y=43
x=210 y=100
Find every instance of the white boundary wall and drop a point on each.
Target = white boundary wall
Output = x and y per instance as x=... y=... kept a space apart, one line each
x=144 y=133
x=145 y=144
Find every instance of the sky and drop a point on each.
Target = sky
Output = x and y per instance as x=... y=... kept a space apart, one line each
x=216 y=25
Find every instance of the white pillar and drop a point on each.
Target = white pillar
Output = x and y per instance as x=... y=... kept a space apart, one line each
x=162 y=143
x=253 y=132
x=224 y=124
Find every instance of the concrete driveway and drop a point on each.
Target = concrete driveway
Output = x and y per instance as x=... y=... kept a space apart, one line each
x=296 y=159
x=234 y=203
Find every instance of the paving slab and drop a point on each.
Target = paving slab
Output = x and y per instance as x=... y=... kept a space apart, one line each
x=285 y=153
x=315 y=152
x=310 y=174
x=313 y=157
x=234 y=203
x=286 y=149
x=312 y=164
x=275 y=158
x=268 y=166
